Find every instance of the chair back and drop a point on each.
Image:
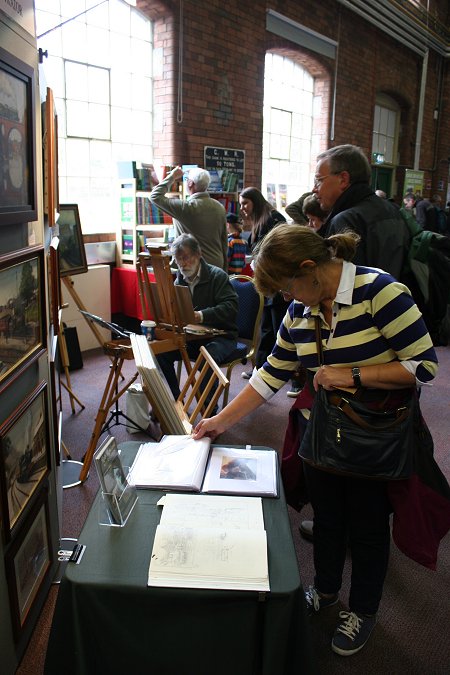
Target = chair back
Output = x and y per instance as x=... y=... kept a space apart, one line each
x=191 y=398
x=251 y=304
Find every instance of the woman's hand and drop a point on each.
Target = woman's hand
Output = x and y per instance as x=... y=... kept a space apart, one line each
x=330 y=377
x=209 y=426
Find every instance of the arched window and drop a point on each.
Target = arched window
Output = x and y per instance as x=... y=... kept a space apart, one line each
x=386 y=120
x=99 y=67
x=287 y=133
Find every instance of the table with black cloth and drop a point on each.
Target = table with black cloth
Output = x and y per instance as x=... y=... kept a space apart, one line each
x=107 y=620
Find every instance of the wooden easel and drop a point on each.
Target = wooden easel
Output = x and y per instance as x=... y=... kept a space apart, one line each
x=158 y=298
x=65 y=364
x=119 y=352
x=69 y=284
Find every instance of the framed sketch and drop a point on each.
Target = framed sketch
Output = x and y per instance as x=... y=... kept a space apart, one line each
x=28 y=563
x=72 y=254
x=17 y=141
x=24 y=455
x=54 y=284
x=22 y=310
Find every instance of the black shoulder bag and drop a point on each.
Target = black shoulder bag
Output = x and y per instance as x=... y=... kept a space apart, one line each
x=372 y=439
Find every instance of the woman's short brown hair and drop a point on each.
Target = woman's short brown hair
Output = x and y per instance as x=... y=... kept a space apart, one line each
x=279 y=255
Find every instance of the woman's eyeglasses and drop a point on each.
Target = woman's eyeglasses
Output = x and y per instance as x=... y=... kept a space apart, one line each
x=288 y=289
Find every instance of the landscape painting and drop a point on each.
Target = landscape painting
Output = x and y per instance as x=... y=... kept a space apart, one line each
x=21 y=327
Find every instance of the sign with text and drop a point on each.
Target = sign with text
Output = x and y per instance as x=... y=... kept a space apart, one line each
x=226 y=158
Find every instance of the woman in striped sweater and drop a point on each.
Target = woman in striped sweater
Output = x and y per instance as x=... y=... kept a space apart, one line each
x=373 y=336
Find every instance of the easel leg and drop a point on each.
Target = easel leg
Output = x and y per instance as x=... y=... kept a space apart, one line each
x=105 y=404
x=65 y=365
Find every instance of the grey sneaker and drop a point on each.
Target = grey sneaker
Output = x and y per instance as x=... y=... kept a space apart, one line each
x=352 y=634
x=314 y=602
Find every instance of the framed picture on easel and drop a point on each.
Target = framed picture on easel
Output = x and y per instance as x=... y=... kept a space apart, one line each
x=72 y=254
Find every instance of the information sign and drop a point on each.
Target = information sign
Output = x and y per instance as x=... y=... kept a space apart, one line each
x=226 y=158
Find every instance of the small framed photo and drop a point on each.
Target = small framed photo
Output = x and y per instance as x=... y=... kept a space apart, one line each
x=72 y=254
x=28 y=563
x=22 y=310
x=17 y=141
x=24 y=456
x=118 y=495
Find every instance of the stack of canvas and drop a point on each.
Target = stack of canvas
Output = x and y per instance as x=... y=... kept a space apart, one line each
x=169 y=415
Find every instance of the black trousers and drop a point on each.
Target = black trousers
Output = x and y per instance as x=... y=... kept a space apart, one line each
x=354 y=513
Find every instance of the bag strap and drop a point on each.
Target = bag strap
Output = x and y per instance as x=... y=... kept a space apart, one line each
x=342 y=403
x=319 y=340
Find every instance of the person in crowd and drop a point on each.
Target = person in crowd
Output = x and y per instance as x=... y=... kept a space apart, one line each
x=437 y=220
x=394 y=354
x=423 y=206
x=258 y=214
x=381 y=194
x=215 y=304
x=199 y=215
x=342 y=186
x=314 y=214
x=295 y=210
x=409 y=202
x=237 y=247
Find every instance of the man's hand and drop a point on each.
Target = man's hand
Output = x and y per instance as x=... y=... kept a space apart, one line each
x=176 y=173
x=197 y=317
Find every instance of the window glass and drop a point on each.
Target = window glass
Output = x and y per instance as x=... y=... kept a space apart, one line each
x=100 y=71
x=287 y=134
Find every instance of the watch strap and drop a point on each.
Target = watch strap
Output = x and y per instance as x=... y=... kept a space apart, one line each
x=356 y=374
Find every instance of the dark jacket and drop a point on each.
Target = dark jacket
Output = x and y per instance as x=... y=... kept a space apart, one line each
x=384 y=235
x=215 y=297
x=275 y=218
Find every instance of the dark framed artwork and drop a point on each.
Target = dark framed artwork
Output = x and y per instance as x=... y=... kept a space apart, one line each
x=28 y=563
x=17 y=141
x=22 y=310
x=24 y=456
x=54 y=284
x=72 y=254
x=55 y=396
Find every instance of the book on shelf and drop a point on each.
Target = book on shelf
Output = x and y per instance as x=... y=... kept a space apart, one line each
x=179 y=462
x=210 y=542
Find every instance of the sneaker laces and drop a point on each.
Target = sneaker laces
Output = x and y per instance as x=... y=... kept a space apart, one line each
x=351 y=626
x=313 y=598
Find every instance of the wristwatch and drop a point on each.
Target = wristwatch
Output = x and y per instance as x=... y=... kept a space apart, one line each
x=356 y=374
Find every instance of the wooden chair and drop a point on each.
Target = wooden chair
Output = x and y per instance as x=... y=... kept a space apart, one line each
x=178 y=417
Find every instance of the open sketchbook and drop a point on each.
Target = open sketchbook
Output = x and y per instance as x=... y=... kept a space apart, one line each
x=210 y=542
x=181 y=463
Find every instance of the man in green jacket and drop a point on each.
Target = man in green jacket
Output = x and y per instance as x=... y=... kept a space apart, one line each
x=199 y=215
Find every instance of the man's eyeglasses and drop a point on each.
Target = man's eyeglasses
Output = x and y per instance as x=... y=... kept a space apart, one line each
x=318 y=180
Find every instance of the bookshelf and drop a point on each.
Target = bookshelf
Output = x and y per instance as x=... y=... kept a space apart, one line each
x=139 y=221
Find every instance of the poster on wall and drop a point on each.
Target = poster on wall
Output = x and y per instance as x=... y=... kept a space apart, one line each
x=226 y=159
x=414 y=181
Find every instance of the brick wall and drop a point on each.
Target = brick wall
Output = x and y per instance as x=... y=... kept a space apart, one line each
x=223 y=75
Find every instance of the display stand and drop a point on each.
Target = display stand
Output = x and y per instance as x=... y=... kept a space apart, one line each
x=114 y=510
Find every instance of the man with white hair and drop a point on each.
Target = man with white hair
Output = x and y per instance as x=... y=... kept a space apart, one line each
x=199 y=214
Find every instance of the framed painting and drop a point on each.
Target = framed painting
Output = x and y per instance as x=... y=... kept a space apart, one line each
x=24 y=455
x=22 y=310
x=54 y=284
x=28 y=563
x=50 y=146
x=72 y=254
x=17 y=141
